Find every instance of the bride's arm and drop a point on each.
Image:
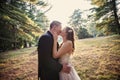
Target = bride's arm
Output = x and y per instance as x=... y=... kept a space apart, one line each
x=55 y=48
x=65 y=48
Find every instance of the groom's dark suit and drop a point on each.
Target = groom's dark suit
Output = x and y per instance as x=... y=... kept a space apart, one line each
x=48 y=67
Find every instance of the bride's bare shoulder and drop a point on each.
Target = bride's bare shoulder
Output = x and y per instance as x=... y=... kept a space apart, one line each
x=68 y=43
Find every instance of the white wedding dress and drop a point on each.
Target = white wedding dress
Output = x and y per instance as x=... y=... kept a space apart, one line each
x=73 y=74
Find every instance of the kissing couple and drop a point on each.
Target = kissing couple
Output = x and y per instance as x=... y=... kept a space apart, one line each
x=54 y=60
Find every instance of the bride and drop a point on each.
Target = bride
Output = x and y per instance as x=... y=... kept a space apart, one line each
x=65 y=51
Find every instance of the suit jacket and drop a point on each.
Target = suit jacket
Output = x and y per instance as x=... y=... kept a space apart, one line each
x=48 y=67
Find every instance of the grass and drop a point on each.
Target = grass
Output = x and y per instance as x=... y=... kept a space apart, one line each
x=94 y=59
x=98 y=58
x=18 y=65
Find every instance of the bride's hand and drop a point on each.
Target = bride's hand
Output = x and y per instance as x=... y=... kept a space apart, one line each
x=55 y=36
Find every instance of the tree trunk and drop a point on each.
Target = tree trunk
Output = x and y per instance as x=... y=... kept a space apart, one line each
x=25 y=44
x=116 y=16
x=30 y=44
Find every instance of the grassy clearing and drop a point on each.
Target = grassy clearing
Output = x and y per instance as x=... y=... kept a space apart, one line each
x=18 y=65
x=94 y=59
x=98 y=58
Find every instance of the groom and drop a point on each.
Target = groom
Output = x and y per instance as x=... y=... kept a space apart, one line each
x=48 y=67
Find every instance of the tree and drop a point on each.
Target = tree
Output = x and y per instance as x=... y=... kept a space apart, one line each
x=17 y=27
x=79 y=24
x=106 y=15
x=75 y=19
x=83 y=33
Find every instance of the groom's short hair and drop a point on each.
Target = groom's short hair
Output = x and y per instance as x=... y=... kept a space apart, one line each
x=54 y=23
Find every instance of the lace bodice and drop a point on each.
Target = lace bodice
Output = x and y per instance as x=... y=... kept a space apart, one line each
x=73 y=74
x=65 y=58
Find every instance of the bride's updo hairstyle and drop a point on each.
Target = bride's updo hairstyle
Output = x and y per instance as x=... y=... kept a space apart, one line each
x=70 y=35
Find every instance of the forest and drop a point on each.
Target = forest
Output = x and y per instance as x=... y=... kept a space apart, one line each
x=23 y=21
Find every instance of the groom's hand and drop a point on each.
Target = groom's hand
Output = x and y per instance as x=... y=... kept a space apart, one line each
x=66 y=68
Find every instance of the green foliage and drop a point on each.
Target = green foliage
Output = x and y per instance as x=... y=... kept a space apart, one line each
x=98 y=2
x=83 y=33
x=92 y=29
x=79 y=24
x=75 y=19
x=18 y=27
x=106 y=16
